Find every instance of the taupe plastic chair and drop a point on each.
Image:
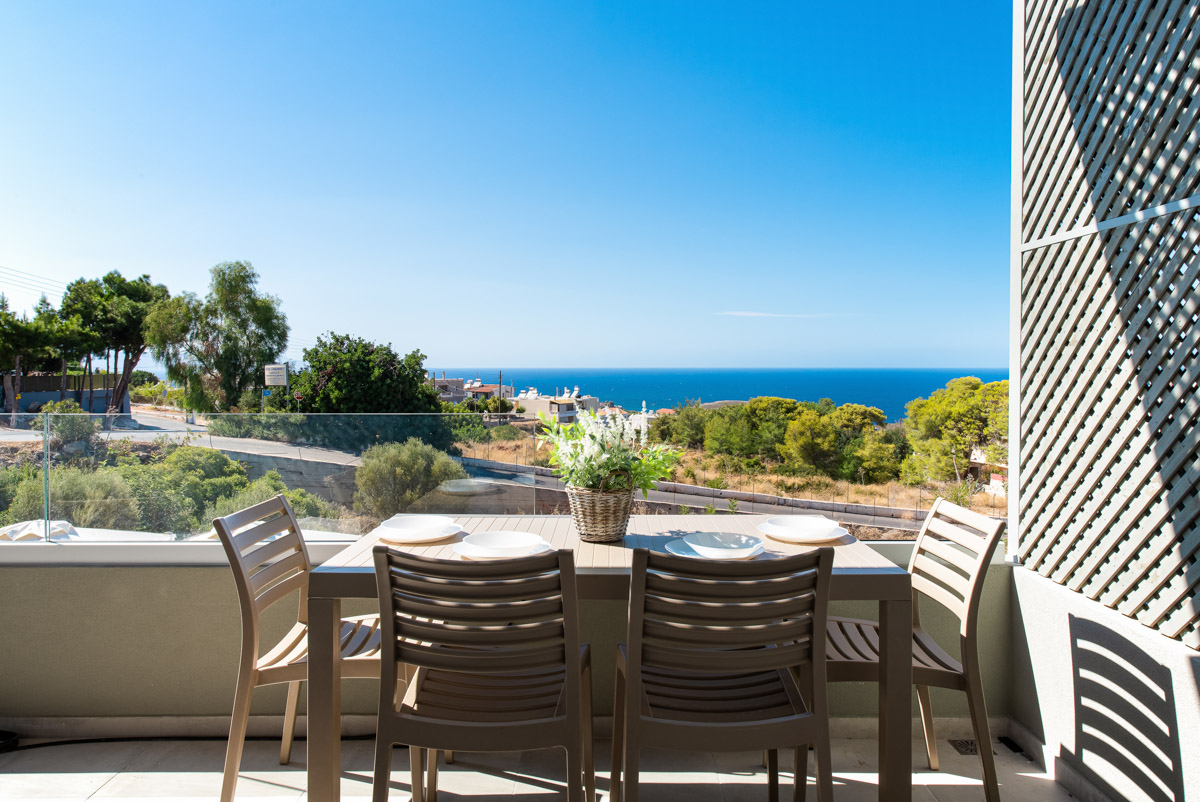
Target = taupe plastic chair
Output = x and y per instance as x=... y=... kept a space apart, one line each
x=948 y=566
x=721 y=656
x=270 y=562
x=498 y=664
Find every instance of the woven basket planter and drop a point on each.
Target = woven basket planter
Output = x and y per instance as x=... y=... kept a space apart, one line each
x=601 y=516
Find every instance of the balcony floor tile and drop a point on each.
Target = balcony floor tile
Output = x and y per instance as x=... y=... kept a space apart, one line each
x=186 y=770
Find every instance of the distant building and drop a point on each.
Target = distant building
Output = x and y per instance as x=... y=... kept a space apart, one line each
x=563 y=408
x=996 y=473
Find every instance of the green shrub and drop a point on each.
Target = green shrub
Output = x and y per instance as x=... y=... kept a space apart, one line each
x=99 y=499
x=506 y=431
x=204 y=475
x=394 y=475
x=140 y=377
x=68 y=424
x=162 y=504
x=269 y=485
x=716 y=483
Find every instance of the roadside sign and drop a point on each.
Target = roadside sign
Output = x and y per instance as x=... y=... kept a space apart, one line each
x=297 y=395
x=276 y=375
x=266 y=393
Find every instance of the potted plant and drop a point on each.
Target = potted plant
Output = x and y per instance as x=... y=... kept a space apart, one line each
x=602 y=461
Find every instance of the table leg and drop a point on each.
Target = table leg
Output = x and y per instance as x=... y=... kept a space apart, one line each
x=324 y=700
x=895 y=700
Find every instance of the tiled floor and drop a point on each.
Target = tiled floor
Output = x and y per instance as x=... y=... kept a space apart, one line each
x=186 y=770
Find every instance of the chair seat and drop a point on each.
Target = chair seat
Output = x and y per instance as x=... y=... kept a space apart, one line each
x=485 y=698
x=685 y=696
x=852 y=654
x=288 y=660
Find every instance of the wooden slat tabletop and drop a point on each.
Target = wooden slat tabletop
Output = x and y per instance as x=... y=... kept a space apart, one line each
x=860 y=572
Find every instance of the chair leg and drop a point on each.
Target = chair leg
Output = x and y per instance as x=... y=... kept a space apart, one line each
x=237 y=736
x=589 y=752
x=823 y=758
x=630 y=767
x=431 y=781
x=289 y=722
x=773 y=775
x=575 y=791
x=618 y=738
x=449 y=753
x=983 y=734
x=382 y=780
x=416 y=760
x=927 y=725
x=800 y=773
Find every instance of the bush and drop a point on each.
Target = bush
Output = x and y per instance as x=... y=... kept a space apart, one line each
x=162 y=504
x=99 y=499
x=269 y=485
x=394 y=475
x=68 y=424
x=506 y=431
x=141 y=377
x=203 y=474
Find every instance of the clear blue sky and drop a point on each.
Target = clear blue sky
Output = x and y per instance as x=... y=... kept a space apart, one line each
x=531 y=183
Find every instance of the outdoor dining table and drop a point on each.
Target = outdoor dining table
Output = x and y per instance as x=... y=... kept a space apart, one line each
x=859 y=573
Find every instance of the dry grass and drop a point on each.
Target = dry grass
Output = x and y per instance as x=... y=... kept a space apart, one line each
x=697 y=468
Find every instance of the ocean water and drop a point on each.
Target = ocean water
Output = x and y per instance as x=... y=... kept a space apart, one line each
x=887 y=388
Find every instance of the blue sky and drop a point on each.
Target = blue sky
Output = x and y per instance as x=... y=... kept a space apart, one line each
x=531 y=183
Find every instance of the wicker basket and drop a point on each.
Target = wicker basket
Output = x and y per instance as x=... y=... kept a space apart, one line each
x=601 y=516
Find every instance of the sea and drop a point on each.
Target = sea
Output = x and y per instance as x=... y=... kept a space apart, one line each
x=887 y=388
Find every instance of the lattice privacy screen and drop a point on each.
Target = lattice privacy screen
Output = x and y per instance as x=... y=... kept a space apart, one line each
x=1109 y=467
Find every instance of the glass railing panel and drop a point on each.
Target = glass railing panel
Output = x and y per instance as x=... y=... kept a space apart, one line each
x=165 y=477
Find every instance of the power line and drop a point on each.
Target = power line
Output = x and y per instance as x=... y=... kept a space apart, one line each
x=35 y=277
x=29 y=288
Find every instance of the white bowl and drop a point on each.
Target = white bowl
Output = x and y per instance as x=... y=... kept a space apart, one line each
x=723 y=545
x=802 y=528
x=502 y=543
x=469 y=552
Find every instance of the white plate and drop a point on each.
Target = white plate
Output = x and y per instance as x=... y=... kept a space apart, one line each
x=724 y=545
x=408 y=537
x=417 y=523
x=467 y=487
x=681 y=548
x=505 y=543
x=802 y=529
x=469 y=552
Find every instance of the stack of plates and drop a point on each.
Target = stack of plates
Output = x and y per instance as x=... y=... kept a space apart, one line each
x=806 y=529
x=716 y=546
x=408 y=530
x=500 y=545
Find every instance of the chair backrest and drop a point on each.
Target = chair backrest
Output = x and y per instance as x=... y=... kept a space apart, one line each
x=951 y=558
x=494 y=617
x=728 y=616
x=270 y=562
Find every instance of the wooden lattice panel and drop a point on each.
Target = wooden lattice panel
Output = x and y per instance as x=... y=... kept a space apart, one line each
x=1110 y=110
x=1109 y=474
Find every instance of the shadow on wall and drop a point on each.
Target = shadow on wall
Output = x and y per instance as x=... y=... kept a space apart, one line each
x=1126 y=733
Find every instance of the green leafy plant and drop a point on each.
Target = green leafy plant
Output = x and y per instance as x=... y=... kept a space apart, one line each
x=590 y=451
x=733 y=505
x=395 y=475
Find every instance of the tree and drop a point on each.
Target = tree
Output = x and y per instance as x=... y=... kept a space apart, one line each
x=66 y=339
x=954 y=421
x=811 y=443
x=349 y=374
x=218 y=346
x=19 y=337
x=85 y=299
x=130 y=302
